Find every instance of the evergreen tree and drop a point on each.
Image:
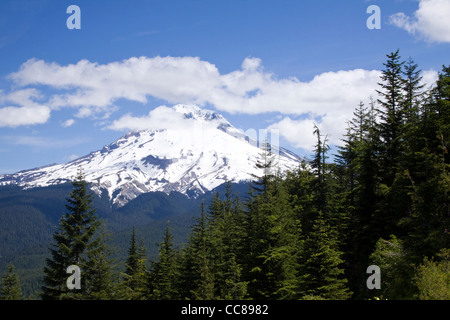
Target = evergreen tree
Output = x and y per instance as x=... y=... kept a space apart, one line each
x=392 y=127
x=266 y=164
x=226 y=232
x=235 y=288
x=321 y=270
x=357 y=162
x=164 y=273
x=74 y=237
x=428 y=176
x=390 y=257
x=197 y=274
x=99 y=278
x=234 y=236
x=391 y=113
x=413 y=90
x=272 y=244
x=319 y=167
x=135 y=277
x=10 y=285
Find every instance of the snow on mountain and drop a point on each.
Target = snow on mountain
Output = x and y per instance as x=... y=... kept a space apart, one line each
x=191 y=157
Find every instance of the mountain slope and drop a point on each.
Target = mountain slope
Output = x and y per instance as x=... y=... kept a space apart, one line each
x=195 y=154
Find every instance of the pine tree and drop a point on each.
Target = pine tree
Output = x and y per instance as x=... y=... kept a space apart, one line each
x=226 y=233
x=10 y=285
x=358 y=165
x=235 y=288
x=99 y=274
x=319 y=168
x=164 y=274
x=413 y=90
x=234 y=235
x=321 y=267
x=429 y=177
x=135 y=276
x=390 y=256
x=73 y=238
x=394 y=113
x=272 y=244
x=266 y=164
x=391 y=114
x=197 y=274
x=321 y=271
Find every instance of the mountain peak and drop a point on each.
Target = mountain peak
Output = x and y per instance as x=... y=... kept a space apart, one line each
x=183 y=159
x=196 y=113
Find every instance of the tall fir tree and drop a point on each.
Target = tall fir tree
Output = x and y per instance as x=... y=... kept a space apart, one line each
x=414 y=92
x=321 y=271
x=74 y=237
x=359 y=156
x=321 y=267
x=164 y=273
x=267 y=165
x=100 y=276
x=391 y=114
x=429 y=176
x=270 y=265
x=197 y=274
x=135 y=276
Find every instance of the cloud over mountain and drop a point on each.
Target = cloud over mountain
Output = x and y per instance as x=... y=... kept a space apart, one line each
x=95 y=89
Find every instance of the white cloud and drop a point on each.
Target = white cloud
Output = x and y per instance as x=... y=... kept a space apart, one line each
x=28 y=113
x=329 y=98
x=159 y=118
x=19 y=116
x=297 y=132
x=300 y=132
x=94 y=88
x=429 y=78
x=430 y=21
x=68 y=123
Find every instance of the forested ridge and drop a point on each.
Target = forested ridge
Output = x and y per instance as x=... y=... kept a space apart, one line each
x=307 y=234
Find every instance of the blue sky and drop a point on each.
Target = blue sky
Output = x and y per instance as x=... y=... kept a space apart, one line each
x=282 y=64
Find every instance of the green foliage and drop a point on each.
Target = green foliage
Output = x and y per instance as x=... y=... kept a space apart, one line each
x=395 y=170
x=163 y=275
x=134 y=283
x=272 y=245
x=100 y=279
x=433 y=278
x=74 y=241
x=10 y=285
x=322 y=273
x=390 y=257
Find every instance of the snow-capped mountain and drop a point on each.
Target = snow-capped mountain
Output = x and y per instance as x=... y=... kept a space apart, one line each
x=193 y=155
